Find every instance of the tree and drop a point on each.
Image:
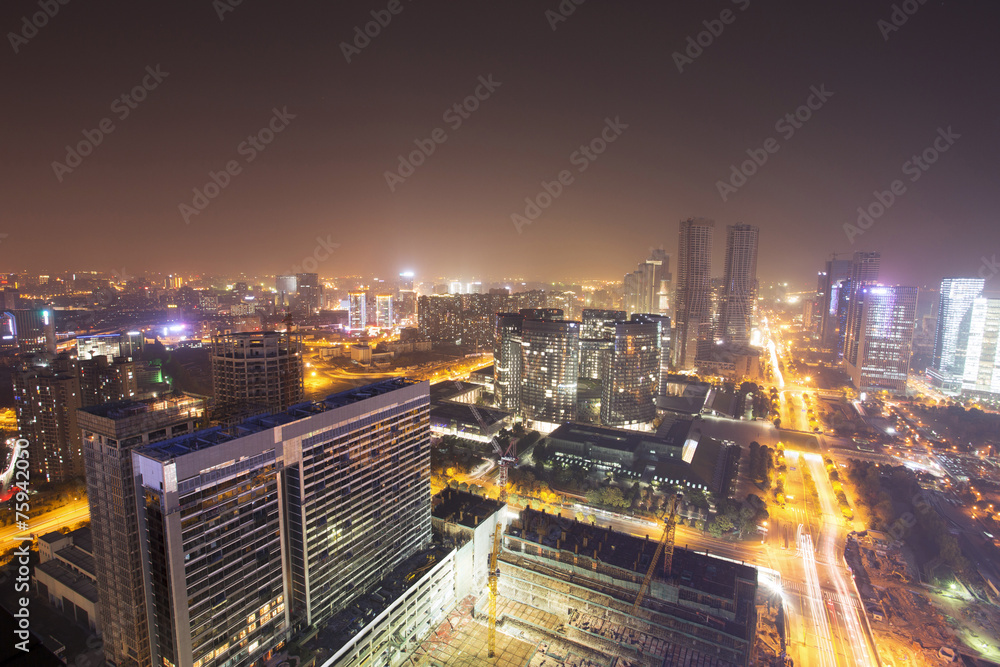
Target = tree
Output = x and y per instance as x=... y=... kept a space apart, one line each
x=721 y=524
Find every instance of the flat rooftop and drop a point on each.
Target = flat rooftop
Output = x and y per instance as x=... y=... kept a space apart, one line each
x=464 y=508
x=185 y=444
x=609 y=438
x=122 y=409
x=463 y=413
x=67 y=577
x=443 y=391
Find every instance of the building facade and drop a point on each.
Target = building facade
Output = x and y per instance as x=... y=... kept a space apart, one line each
x=263 y=368
x=739 y=298
x=597 y=339
x=982 y=361
x=885 y=338
x=631 y=375
x=692 y=304
x=550 y=367
x=46 y=398
x=951 y=338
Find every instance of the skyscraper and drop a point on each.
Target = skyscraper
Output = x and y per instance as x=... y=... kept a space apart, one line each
x=837 y=271
x=982 y=360
x=109 y=433
x=550 y=367
x=276 y=525
x=864 y=272
x=885 y=340
x=951 y=338
x=46 y=398
x=663 y=324
x=357 y=313
x=739 y=298
x=694 y=283
x=104 y=380
x=260 y=370
x=597 y=332
x=631 y=375
x=646 y=289
x=507 y=361
x=383 y=311
x=27 y=331
x=309 y=292
x=286 y=287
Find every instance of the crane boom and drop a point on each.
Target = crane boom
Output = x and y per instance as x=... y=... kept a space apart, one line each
x=494 y=575
x=666 y=544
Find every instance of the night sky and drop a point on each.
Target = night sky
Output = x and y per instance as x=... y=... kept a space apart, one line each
x=324 y=174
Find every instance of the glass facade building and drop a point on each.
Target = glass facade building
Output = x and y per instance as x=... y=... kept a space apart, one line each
x=951 y=338
x=631 y=375
x=982 y=361
x=885 y=343
x=550 y=367
x=597 y=332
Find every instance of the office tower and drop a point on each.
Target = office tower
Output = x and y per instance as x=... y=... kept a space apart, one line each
x=507 y=371
x=739 y=297
x=864 y=272
x=109 y=433
x=233 y=565
x=693 y=329
x=46 y=397
x=646 y=289
x=257 y=369
x=309 y=292
x=664 y=338
x=885 y=339
x=836 y=272
x=383 y=311
x=951 y=337
x=550 y=366
x=357 y=313
x=122 y=344
x=286 y=287
x=173 y=281
x=10 y=299
x=406 y=281
x=597 y=331
x=982 y=360
x=104 y=380
x=27 y=331
x=631 y=375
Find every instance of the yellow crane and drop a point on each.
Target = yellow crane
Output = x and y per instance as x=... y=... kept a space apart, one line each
x=666 y=547
x=494 y=575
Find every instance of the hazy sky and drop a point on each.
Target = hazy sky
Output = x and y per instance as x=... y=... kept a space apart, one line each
x=211 y=83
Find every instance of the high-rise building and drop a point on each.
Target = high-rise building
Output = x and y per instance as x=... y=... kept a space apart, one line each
x=309 y=292
x=122 y=344
x=439 y=318
x=357 y=312
x=27 y=332
x=646 y=289
x=46 y=398
x=507 y=361
x=286 y=287
x=631 y=375
x=383 y=311
x=885 y=338
x=665 y=334
x=739 y=298
x=951 y=337
x=864 y=272
x=550 y=366
x=104 y=380
x=275 y=526
x=109 y=433
x=597 y=331
x=260 y=369
x=982 y=360
x=837 y=271
x=693 y=327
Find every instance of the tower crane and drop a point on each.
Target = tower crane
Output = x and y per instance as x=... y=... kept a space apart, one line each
x=666 y=547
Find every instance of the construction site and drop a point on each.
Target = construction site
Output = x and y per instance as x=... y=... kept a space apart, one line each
x=574 y=594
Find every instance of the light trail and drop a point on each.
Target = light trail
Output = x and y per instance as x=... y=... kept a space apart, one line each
x=814 y=596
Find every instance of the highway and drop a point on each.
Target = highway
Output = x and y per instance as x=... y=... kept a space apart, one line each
x=70 y=514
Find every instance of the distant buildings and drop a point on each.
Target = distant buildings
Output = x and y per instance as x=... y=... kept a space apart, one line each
x=692 y=309
x=383 y=311
x=982 y=358
x=739 y=297
x=951 y=337
x=309 y=292
x=27 y=332
x=864 y=272
x=262 y=369
x=836 y=272
x=46 y=398
x=357 y=313
x=882 y=344
x=647 y=289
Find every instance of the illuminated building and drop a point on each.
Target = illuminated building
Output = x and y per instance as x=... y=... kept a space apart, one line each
x=837 y=271
x=383 y=311
x=739 y=295
x=692 y=305
x=885 y=338
x=357 y=311
x=631 y=377
x=309 y=292
x=258 y=370
x=110 y=432
x=982 y=361
x=952 y=335
x=439 y=318
x=105 y=380
x=647 y=289
x=286 y=287
x=864 y=272
x=123 y=344
x=507 y=361
x=550 y=363
x=597 y=339
x=27 y=331
x=276 y=525
x=664 y=339
x=46 y=398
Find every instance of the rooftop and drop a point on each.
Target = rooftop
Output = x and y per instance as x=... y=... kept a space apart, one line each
x=464 y=508
x=185 y=444
x=64 y=575
x=463 y=413
x=122 y=409
x=609 y=438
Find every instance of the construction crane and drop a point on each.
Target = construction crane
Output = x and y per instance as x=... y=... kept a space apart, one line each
x=666 y=547
x=494 y=576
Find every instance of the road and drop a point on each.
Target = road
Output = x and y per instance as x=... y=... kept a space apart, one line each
x=70 y=514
